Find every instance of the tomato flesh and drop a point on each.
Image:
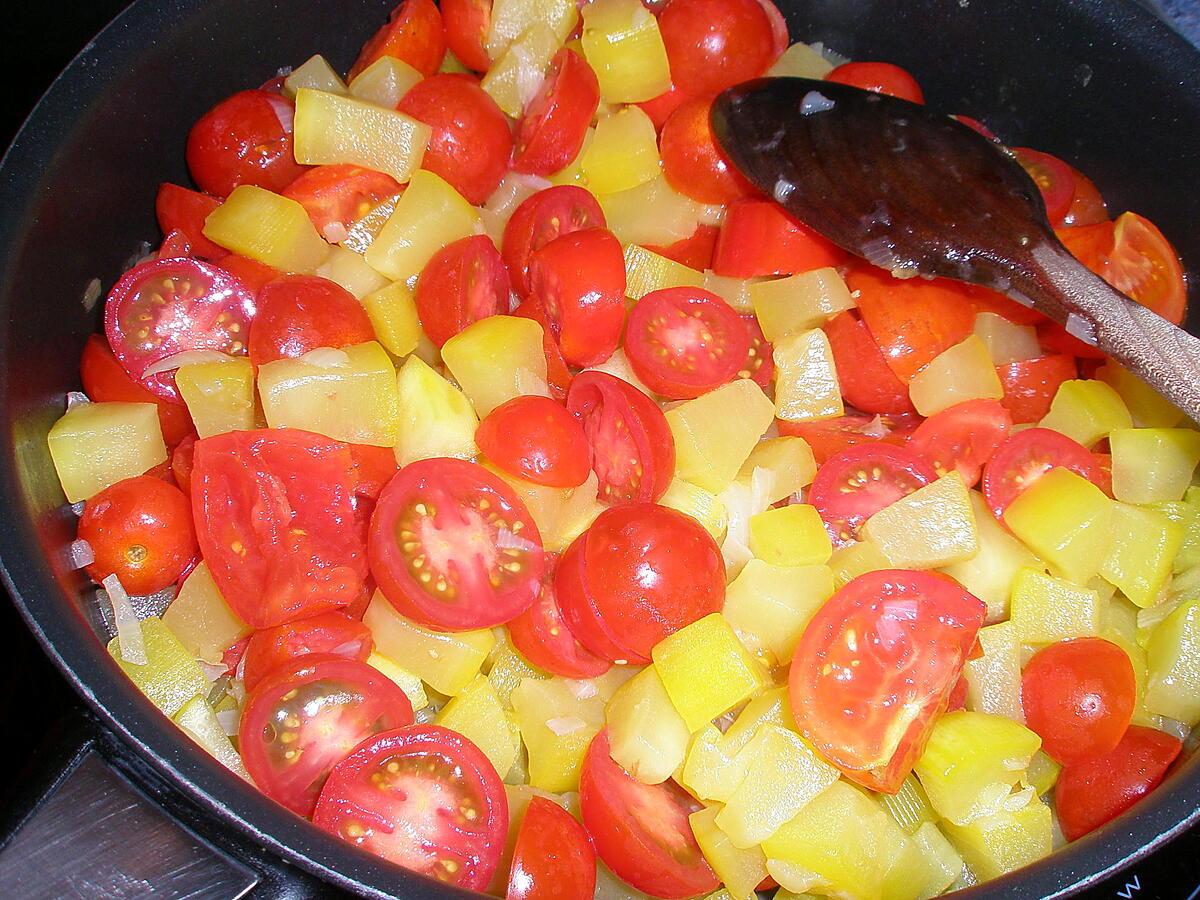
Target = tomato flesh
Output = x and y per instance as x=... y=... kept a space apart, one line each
x=244 y=139
x=413 y=33
x=829 y=437
x=299 y=313
x=332 y=633
x=866 y=380
x=758 y=238
x=541 y=218
x=1053 y=178
x=335 y=197
x=760 y=360
x=537 y=439
x=694 y=251
x=467 y=24
x=1030 y=385
x=1025 y=457
x=179 y=210
x=105 y=379
x=553 y=859
x=882 y=78
x=464 y=282
x=962 y=438
x=555 y=124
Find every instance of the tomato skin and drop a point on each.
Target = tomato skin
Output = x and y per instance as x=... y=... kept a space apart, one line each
x=882 y=78
x=558 y=376
x=856 y=483
x=555 y=124
x=695 y=251
x=759 y=238
x=641 y=831
x=105 y=379
x=962 y=438
x=139 y=529
x=623 y=424
x=299 y=313
x=1053 y=178
x=554 y=859
x=471 y=140
x=412 y=33
x=715 y=44
x=867 y=382
x=977 y=126
x=760 y=361
x=544 y=638
x=464 y=282
x=181 y=210
x=692 y=162
x=1079 y=697
x=539 y=219
x=536 y=439
x=1030 y=385
x=886 y=640
x=250 y=272
x=467 y=23
x=580 y=280
x=244 y=139
x=1026 y=456
x=659 y=108
x=335 y=197
x=332 y=633
x=1095 y=791
x=1087 y=208
x=832 y=436
x=182 y=460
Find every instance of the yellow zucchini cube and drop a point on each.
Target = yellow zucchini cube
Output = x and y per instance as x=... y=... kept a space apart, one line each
x=799 y=302
x=734 y=291
x=994 y=678
x=1042 y=773
x=266 y=227
x=1151 y=465
x=647 y=271
x=1147 y=407
x=413 y=687
x=789 y=460
x=623 y=153
x=989 y=573
x=800 y=61
x=847 y=563
x=1173 y=658
x=1006 y=341
x=1005 y=840
x=435 y=418
x=95 y=445
x=561 y=514
x=510 y=18
x=506 y=670
x=201 y=619
x=199 y=722
x=703 y=506
x=909 y=806
x=961 y=373
x=1066 y=520
x=1046 y=609
x=219 y=395
x=514 y=78
x=769 y=606
x=314 y=73
x=709 y=770
x=497 y=359
x=623 y=45
x=348 y=269
x=171 y=676
x=384 y=82
x=806 y=382
x=792 y=535
x=393 y=314
x=428 y=216
x=1144 y=544
x=933 y=526
x=1086 y=410
x=558 y=718
x=651 y=213
x=740 y=870
x=715 y=433
x=477 y=714
x=647 y=737
x=943 y=864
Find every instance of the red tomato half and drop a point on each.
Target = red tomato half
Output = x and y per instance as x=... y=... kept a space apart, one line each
x=1094 y=792
x=105 y=379
x=303 y=718
x=880 y=77
x=760 y=360
x=558 y=376
x=413 y=33
x=876 y=665
x=335 y=197
x=858 y=482
x=553 y=859
x=464 y=282
x=695 y=251
x=542 y=636
x=467 y=24
x=299 y=313
x=867 y=381
x=424 y=798
x=374 y=467
x=541 y=218
x=1025 y=457
x=1030 y=385
x=274 y=513
x=471 y=140
x=683 y=342
x=641 y=831
x=759 y=238
x=555 y=123
x=452 y=547
x=180 y=210
x=1053 y=178
x=831 y=436
x=1088 y=206
x=535 y=438
x=164 y=307
x=962 y=438
x=244 y=139
x=692 y=162
x=332 y=633
x=632 y=451
x=715 y=44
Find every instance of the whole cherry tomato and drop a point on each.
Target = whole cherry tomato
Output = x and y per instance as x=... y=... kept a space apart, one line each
x=299 y=313
x=692 y=162
x=535 y=438
x=715 y=44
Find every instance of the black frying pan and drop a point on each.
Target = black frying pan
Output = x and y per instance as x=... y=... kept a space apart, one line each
x=1103 y=84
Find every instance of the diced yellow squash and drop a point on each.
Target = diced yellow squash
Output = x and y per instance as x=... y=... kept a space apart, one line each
x=348 y=269
x=171 y=676
x=623 y=153
x=344 y=130
x=789 y=460
x=95 y=445
x=933 y=526
x=561 y=514
x=1147 y=407
x=393 y=314
x=1120 y=626
x=268 y=228
x=1042 y=773
x=647 y=271
x=1187 y=514
x=647 y=737
x=506 y=671
x=510 y=18
x=942 y=862
x=514 y=78
x=572 y=173
x=769 y=606
x=201 y=619
x=703 y=506
x=477 y=714
x=623 y=45
x=315 y=73
x=1086 y=410
x=435 y=418
x=989 y=573
x=740 y=870
x=199 y=721
x=847 y=563
x=1004 y=840
x=706 y=670
x=709 y=771
x=348 y=394
x=1006 y=341
x=446 y=661
x=715 y=433
x=219 y=395
x=1066 y=520
x=651 y=213
x=972 y=761
x=497 y=359
x=413 y=687
x=909 y=806
x=994 y=678
x=1173 y=656
x=792 y=535
x=384 y=82
x=806 y=382
x=428 y=216
x=1144 y=544
x=1152 y=465
x=800 y=61
x=799 y=302
x=618 y=366
x=1046 y=609
x=961 y=373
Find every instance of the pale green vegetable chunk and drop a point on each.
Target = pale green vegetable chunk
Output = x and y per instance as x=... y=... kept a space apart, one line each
x=1086 y=410
x=989 y=574
x=95 y=445
x=1153 y=464
x=1173 y=657
x=477 y=714
x=1005 y=840
x=171 y=676
x=1140 y=556
x=647 y=737
x=199 y=722
x=933 y=526
x=994 y=678
x=1046 y=609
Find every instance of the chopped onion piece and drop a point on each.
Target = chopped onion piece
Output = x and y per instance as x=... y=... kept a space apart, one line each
x=186 y=358
x=335 y=232
x=129 y=629
x=583 y=689
x=562 y=725
x=212 y=671
x=77 y=398
x=91 y=294
x=81 y=554
x=230 y=720
x=877 y=428
x=530 y=384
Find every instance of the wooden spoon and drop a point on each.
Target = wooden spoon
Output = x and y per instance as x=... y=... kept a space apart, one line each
x=917 y=192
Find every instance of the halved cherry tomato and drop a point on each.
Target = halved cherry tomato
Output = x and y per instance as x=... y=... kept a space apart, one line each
x=580 y=615
x=541 y=218
x=1030 y=385
x=760 y=361
x=831 y=436
x=179 y=209
x=423 y=797
x=299 y=313
x=232 y=657
x=1025 y=457
x=694 y=251
x=962 y=438
x=105 y=379
x=536 y=439
x=641 y=831
x=556 y=121
x=659 y=108
x=335 y=197
x=553 y=859
x=759 y=238
x=579 y=278
x=305 y=716
x=250 y=272
x=683 y=342
x=1088 y=206
x=244 y=139
x=274 y=513
x=867 y=381
x=467 y=24
x=876 y=666
x=464 y=282
x=331 y=633
x=182 y=461
x=140 y=529
x=976 y=125
x=542 y=636
x=1079 y=696
x=958 y=696
x=175 y=245
x=1053 y=178
x=413 y=33
x=858 y=482
x=163 y=307
x=374 y=467
x=558 y=376
x=632 y=451
x=1103 y=472
x=692 y=162
x=453 y=547
x=880 y=77
x=715 y=44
